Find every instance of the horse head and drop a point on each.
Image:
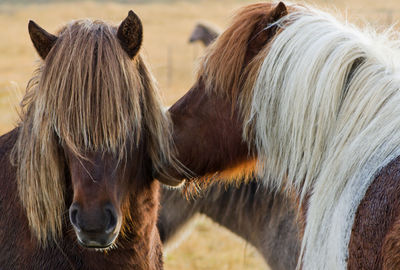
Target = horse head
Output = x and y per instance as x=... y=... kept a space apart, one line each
x=106 y=130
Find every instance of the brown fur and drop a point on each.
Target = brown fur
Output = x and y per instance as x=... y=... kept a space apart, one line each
x=92 y=133
x=224 y=146
x=264 y=218
x=225 y=78
x=47 y=40
x=223 y=64
x=138 y=248
x=227 y=74
x=81 y=122
x=220 y=81
x=391 y=247
x=130 y=34
x=374 y=242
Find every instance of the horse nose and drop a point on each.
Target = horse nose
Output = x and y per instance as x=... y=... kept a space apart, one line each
x=104 y=220
x=94 y=227
x=73 y=215
x=112 y=218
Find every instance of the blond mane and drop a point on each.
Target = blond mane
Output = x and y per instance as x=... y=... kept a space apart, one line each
x=87 y=95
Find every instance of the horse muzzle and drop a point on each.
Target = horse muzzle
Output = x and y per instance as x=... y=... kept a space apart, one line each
x=95 y=228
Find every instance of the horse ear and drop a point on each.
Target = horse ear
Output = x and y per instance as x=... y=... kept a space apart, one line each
x=130 y=34
x=278 y=12
x=265 y=29
x=41 y=39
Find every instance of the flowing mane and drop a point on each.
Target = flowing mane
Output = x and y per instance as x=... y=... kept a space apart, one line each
x=324 y=116
x=321 y=103
x=87 y=95
x=222 y=63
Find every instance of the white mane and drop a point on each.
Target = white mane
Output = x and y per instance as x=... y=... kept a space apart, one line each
x=325 y=117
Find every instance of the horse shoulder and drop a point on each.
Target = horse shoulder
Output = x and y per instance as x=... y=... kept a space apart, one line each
x=374 y=241
x=391 y=247
x=13 y=225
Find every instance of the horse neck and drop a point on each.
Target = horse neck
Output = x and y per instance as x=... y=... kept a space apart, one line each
x=140 y=237
x=265 y=219
x=171 y=221
x=13 y=223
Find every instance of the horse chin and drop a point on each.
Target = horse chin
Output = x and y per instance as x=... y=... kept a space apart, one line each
x=100 y=243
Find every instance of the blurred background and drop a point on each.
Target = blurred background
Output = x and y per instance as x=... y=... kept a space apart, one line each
x=167 y=27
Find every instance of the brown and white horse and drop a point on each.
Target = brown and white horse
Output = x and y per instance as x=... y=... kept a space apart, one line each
x=311 y=105
x=91 y=135
x=264 y=218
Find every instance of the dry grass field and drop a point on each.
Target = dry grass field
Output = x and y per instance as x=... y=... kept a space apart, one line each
x=167 y=25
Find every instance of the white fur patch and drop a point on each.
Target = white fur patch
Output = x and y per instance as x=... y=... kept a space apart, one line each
x=325 y=117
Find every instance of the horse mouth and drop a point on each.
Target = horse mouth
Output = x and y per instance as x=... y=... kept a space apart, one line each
x=94 y=245
x=101 y=243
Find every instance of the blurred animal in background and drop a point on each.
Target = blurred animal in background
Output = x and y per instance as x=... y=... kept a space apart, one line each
x=92 y=133
x=204 y=33
x=310 y=104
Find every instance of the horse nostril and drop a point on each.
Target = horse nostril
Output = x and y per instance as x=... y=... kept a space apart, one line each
x=73 y=215
x=112 y=219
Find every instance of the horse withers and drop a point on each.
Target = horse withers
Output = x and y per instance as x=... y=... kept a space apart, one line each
x=77 y=172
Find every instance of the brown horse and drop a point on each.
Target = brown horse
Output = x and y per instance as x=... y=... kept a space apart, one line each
x=204 y=33
x=260 y=216
x=92 y=134
x=311 y=105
